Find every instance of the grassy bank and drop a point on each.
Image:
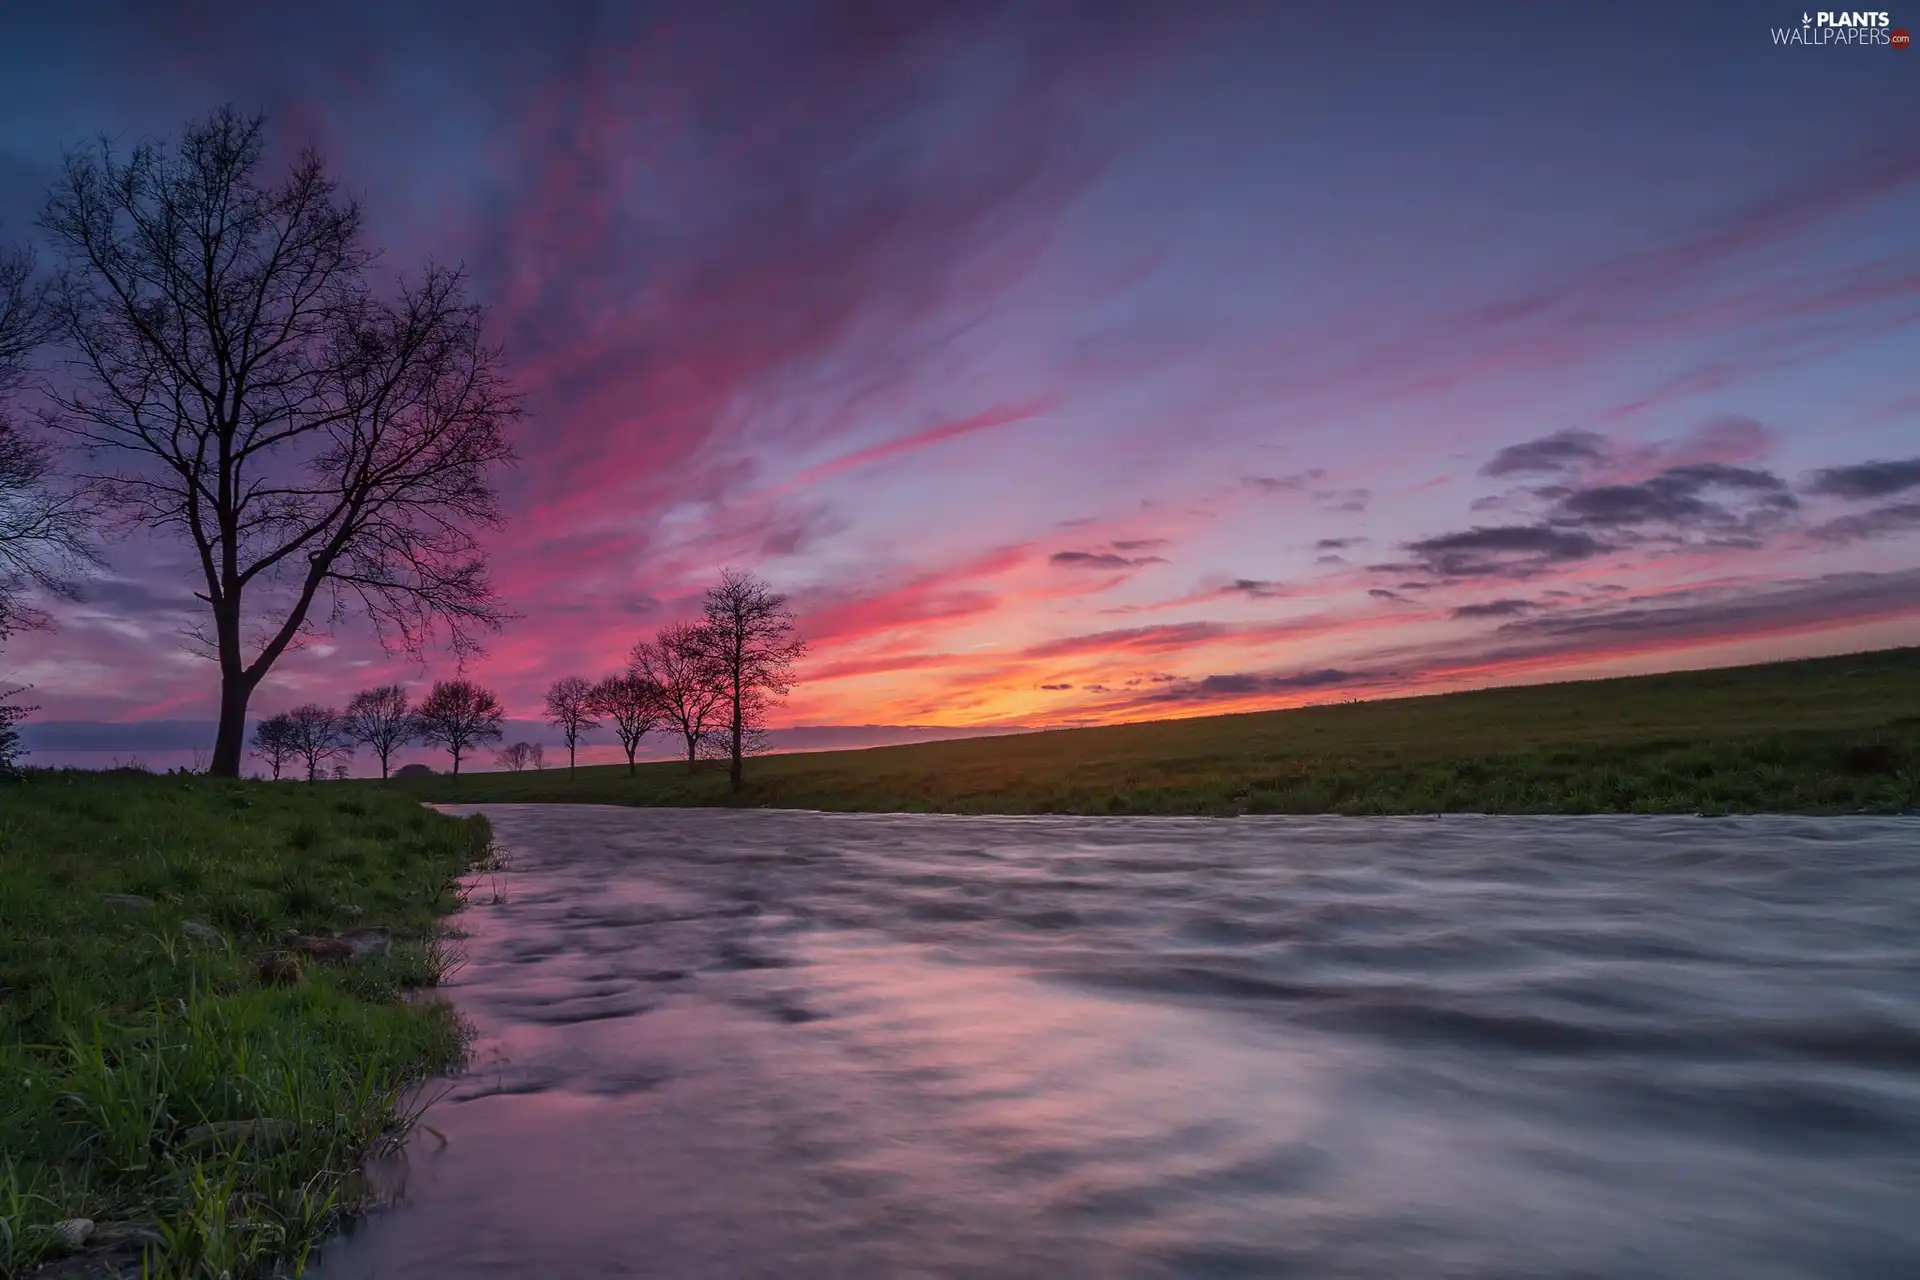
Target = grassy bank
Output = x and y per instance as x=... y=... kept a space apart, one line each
x=168 y=1073
x=1829 y=735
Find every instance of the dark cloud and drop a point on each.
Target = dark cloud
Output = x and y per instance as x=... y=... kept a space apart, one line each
x=1055 y=688
x=1296 y=483
x=1561 y=451
x=1499 y=551
x=1701 y=503
x=1881 y=522
x=1337 y=544
x=1710 y=497
x=1381 y=593
x=1102 y=560
x=1347 y=501
x=1138 y=544
x=1864 y=480
x=1241 y=684
x=1255 y=588
x=1330 y=560
x=1711 y=614
x=1495 y=609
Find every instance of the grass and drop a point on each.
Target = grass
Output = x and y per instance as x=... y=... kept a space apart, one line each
x=1825 y=735
x=127 y=1023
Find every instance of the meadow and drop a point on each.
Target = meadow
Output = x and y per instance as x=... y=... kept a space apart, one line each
x=1819 y=736
x=174 y=1072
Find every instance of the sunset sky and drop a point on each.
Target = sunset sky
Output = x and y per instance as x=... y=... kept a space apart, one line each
x=1080 y=363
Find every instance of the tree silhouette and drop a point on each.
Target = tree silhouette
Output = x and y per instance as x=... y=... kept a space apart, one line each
x=632 y=702
x=459 y=715
x=751 y=643
x=273 y=742
x=678 y=665
x=44 y=529
x=571 y=710
x=319 y=448
x=518 y=757
x=381 y=719
x=314 y=733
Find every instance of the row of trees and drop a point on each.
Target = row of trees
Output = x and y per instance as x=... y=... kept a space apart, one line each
x=457 y=714
x=709 y=682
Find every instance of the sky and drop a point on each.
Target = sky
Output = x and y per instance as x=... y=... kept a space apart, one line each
x=1081 y=363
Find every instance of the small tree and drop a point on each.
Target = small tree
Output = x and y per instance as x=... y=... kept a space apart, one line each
x=632 y=702
x=752 y=644
x=315 y=735
x=273 y=742
x=571 y=710
x=539 y=756
x=381 y=719
x=341 y=772
x=678 y=666
x=459 y=715
x=517 y=757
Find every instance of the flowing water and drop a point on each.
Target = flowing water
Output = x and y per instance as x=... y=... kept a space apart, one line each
x=765 y=1043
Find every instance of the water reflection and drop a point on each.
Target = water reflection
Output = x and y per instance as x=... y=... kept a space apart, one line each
x=766 y=1043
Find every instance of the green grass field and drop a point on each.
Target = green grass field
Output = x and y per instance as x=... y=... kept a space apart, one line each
x=129 y=1022
x=1827 y=735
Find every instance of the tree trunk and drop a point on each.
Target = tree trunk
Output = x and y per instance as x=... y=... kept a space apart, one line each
x=736 y=776
x=231 y=741
x=631 y=772
x=693 y=745
x=569 y=759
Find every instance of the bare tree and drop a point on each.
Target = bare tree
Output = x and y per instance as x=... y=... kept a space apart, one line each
x=44 y=527
x=273 y=742
x=459 y=715
x=381 y=719
x=752 y=644
x=314 y=733
x=632 y=702
x=318 y=447
x=679 y=667
x=571 y=710
x=341 y=772
x=517 y=757
x=537 y=754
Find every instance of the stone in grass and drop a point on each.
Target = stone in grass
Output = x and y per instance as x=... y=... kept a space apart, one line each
x=201 y=931
x=127 y=901
x=263 y=1134
x=278 y=970
x=73 y=1232
x=346 y=948
x=126 y=1235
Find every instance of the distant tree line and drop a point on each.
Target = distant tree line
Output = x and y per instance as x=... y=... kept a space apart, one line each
x=710 y=683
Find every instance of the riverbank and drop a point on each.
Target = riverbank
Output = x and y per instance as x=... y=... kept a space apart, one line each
x=201 y=1023
x=1821 y=736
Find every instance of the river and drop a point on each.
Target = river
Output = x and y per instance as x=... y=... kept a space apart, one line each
x=771 y=1043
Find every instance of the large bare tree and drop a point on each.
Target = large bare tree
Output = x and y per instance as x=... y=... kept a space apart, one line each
x=322 y=449
x=752 y=644
x=679 y=665
x=44 y=526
